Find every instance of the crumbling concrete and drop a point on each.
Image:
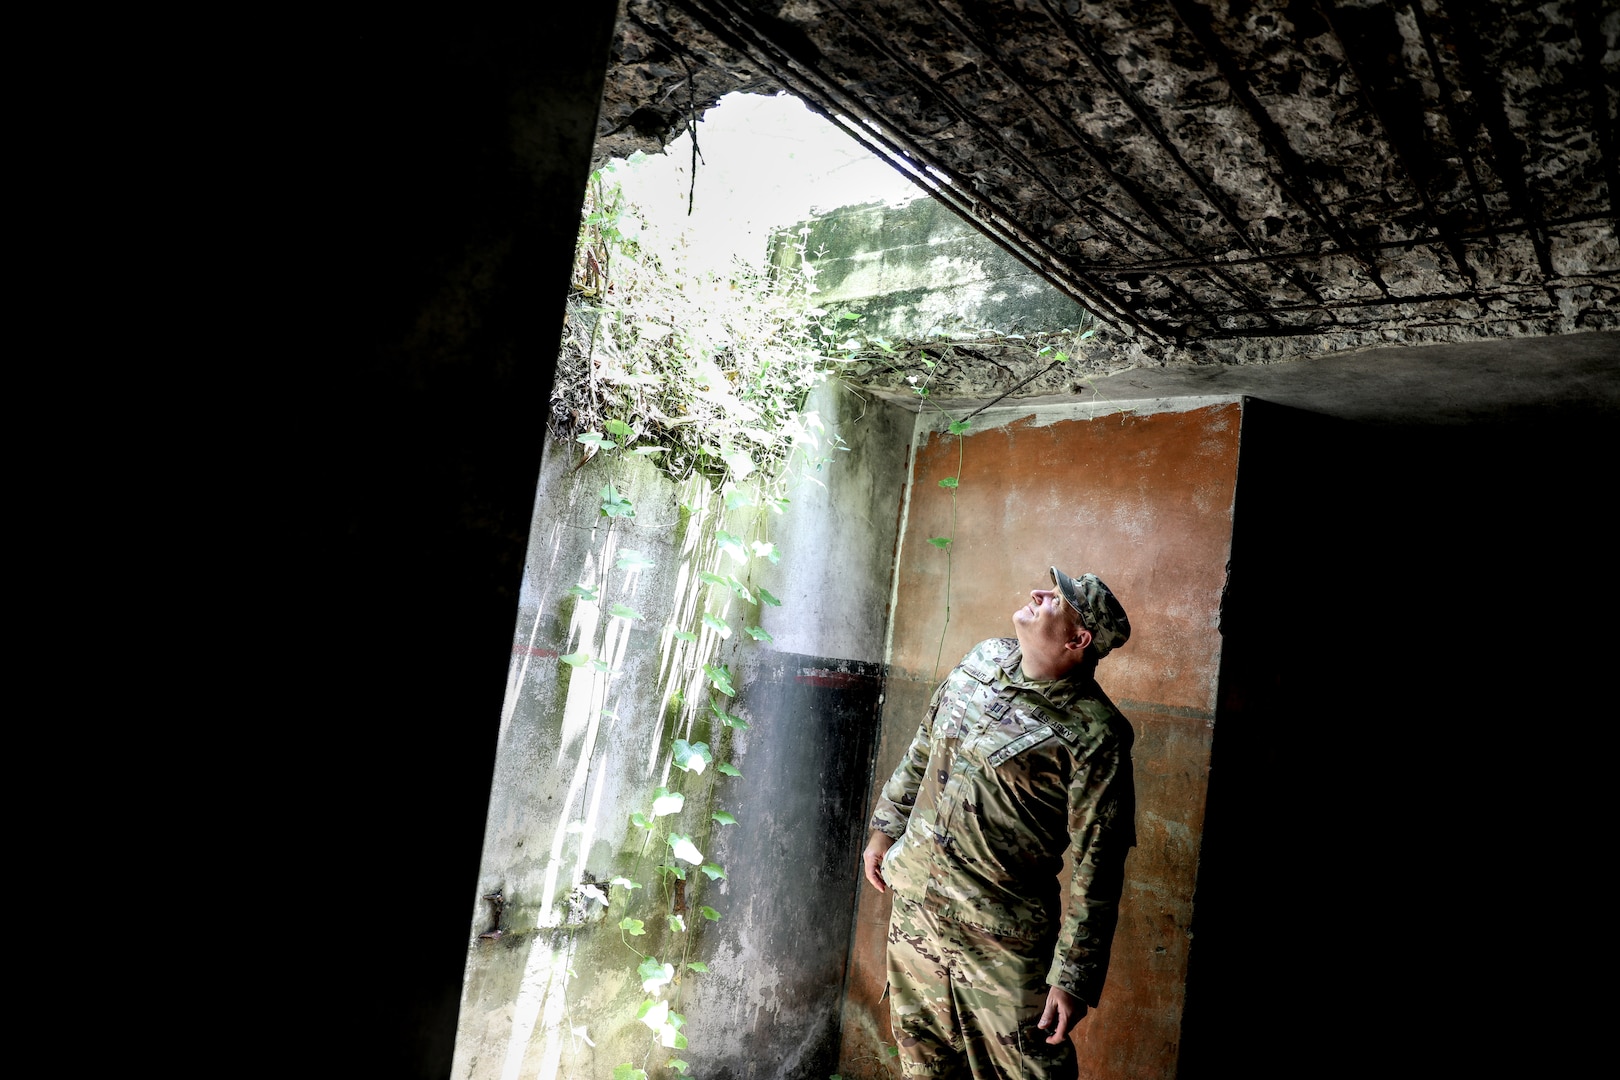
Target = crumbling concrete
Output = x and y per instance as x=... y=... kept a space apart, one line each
x=1218 y=184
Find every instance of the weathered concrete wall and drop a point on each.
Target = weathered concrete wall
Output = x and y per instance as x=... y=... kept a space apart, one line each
x=1144 y=498
x=911 y=267
x=556 y=992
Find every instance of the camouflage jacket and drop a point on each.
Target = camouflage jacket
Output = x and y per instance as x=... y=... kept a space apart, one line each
x=1003 y=775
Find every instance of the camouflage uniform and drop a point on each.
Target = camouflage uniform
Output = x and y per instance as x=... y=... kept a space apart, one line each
x=1003 y=775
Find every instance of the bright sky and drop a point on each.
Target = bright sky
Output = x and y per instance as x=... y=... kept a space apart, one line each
x=766 y=163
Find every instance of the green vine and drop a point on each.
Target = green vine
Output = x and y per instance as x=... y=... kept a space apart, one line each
x=950 y=483
x=707 y=377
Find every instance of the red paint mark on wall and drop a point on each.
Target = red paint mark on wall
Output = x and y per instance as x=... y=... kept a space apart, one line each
x=520 y=649
x=830 y=677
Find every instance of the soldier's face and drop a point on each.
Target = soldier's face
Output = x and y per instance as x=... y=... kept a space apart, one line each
x=1046 y=624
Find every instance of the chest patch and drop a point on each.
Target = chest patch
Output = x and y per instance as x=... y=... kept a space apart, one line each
x=1020 y=744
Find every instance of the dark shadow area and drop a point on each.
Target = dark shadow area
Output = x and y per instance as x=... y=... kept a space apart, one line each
x=433 y=174
x=1405 y=645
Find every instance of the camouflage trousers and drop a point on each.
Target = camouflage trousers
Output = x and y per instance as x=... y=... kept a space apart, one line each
x=964 y=1002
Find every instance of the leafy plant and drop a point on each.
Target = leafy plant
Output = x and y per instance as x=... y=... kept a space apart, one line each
x=706 y=376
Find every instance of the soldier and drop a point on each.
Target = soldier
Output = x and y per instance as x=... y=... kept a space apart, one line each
x=1021 y=756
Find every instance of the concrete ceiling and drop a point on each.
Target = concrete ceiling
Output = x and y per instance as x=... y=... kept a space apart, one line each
x=1222 y=183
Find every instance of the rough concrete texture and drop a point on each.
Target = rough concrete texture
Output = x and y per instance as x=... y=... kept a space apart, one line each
x=838 y=533
x=1230 y=182
x=919 y=266
x=1144 y=498
x=552 y=985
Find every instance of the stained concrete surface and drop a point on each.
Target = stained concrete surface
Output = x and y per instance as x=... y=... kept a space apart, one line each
x=580 y=751
x=1145 y=500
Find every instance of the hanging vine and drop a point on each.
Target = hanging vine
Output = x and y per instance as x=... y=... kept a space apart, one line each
x=706 y=376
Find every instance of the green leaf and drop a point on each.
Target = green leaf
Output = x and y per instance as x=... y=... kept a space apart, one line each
x=731 y=545
x=653 y=1013
x=940 y=541
x=692 y=757
x=627 y=883
x=615 y=504
x=634 y=927
x=716 y=625
x=584 y=592
x=713 y=579
x=709 y=913
x=640 y=820
x=575 y=659
x=677 y=924
x=595 y=441
x=741 y=464
x=1062 y=358
x=739 y=497
x=653 y=974
x=758 y=634
x=948 y=482
x=619 y=428
x=714 y=872
x=725 y=717
x=764 y=550
x=741 y=590
x=728 y=769
x=959 y=426
x=698 y=966
x=599 y=665
x=779 y=505
x=619 y=611
x=676 y=1063
x=721 y=678
x=673 y=870
x=684 y=849
x=893 y=1051
x=628 y=1071
x=665 y=803
x=633 y=560
x=685 y=635
x=766 y=597
x=721 y=816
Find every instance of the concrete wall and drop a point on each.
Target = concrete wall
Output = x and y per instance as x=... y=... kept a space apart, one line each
x=908 y=268
x=1143 y=498
x=556 y=992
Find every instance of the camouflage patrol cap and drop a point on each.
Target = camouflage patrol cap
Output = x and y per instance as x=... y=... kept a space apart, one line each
x=1098 y=608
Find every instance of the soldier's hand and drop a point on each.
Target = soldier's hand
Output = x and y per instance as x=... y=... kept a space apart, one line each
x=872 y=859
x=1063 y=1010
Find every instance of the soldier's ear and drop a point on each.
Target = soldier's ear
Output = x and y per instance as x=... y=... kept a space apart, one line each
x=1081 y=639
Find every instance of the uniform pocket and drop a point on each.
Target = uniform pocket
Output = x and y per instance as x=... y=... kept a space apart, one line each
x=1026 y=741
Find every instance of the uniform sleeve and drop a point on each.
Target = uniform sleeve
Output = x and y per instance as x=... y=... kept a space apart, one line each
x=899 y=795
x=1102 y=827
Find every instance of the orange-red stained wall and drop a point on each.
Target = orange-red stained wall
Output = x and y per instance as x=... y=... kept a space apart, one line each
x=1145 y=502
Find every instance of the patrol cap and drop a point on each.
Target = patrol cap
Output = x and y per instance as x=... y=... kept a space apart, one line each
x=1098 y=608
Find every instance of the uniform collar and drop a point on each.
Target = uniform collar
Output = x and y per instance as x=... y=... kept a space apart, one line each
x=1060 y=692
